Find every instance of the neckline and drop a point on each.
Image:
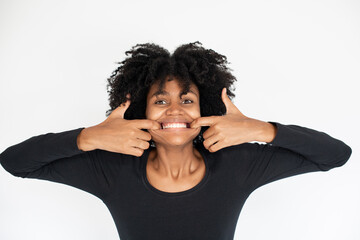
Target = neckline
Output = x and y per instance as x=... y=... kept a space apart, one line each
x=146 y=182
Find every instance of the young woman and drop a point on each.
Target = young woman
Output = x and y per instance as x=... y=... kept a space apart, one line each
x=173 y=159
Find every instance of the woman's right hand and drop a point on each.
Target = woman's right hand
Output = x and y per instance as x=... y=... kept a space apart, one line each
x=117 y=134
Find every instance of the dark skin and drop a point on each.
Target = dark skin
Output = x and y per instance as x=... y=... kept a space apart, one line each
x=175 y=165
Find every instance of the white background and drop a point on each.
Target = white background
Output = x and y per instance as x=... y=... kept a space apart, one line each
x=297 y=62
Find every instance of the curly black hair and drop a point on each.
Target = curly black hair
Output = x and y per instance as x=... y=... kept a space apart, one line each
x=190 y=63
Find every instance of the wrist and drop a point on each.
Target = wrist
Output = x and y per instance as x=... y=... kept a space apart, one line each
x=268 y=132
x=84 y=140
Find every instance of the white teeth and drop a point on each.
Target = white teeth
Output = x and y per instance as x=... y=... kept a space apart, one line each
x=174 y=125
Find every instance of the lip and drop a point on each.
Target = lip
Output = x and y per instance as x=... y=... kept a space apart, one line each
x=175 y=120
x=175 y=129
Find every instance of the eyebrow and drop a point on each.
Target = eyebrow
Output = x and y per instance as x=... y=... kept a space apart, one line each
x=166 y=93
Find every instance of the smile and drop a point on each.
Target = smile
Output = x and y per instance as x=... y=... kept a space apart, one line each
x=175 y=126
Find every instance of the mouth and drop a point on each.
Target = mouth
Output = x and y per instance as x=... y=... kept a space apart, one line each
x=182 y=125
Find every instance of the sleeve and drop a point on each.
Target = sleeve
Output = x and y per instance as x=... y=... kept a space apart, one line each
x=295 y=150
x=56 y=157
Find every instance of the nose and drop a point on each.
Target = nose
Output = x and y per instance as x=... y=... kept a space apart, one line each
x=175 y=109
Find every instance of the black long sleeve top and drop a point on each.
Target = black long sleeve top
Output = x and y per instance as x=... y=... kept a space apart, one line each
x=209 y=210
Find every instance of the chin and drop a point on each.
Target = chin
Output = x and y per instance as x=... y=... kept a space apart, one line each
x=174 y=143
x=172 y=139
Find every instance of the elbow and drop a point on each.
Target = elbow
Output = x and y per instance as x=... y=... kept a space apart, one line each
x=341 y=158
x=344 y=156
x=12 y=172
x=6 y=167
x=5 y=162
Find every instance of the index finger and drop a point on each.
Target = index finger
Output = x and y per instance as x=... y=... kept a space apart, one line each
x=147 y=124
x=203 y=121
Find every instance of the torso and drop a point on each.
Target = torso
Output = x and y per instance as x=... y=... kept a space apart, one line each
x=166 y=185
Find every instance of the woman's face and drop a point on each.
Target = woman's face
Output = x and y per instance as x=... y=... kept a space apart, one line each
x=169 y=108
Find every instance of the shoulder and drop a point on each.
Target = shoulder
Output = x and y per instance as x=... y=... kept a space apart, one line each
x=115 y=162
x=234 y=156
x=244 y=149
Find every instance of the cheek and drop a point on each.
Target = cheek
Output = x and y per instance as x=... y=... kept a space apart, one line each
x=149 y=113
x=196 y=112
x=152 y=113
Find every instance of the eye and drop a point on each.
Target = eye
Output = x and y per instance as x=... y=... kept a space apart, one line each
x=159 y=101
x=189 y=100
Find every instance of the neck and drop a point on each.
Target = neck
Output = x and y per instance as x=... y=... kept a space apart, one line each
x=175 y=162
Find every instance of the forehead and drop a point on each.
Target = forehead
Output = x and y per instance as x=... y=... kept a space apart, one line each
x=171 y=88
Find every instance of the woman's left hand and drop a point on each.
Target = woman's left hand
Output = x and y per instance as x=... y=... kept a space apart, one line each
x=233 y=128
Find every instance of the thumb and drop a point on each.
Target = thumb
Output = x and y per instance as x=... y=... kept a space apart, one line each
x=230 y=107
x=120 y=110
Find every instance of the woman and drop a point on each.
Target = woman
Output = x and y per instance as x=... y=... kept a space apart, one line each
x=173 y=159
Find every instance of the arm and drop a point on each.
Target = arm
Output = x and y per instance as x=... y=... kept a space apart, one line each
x=294 y=150
x=56 y=157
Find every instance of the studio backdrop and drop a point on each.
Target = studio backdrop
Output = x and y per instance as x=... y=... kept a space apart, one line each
x=296 y=62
